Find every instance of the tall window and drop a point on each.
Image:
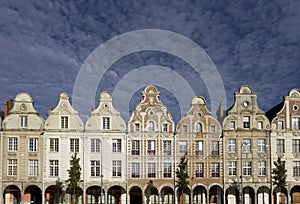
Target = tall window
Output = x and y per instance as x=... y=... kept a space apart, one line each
x=64 y=122
x=182 y=147
x=95 y=145
x=105 y=123
x=95 y=168
x=167 y=147
x=167 y=170
x=199 y=127
x=215 y=148
x=261 y=145
x=199 y=148
x=23 y=121
x=74 y=145
x=33 y=145
x=280 y=125
x=212 y=128
x=246 y=122
x=262 y=168
x=231 y=145
x=54 y=167
x=215 y=170
x=296 y=146
x=116 y=168
x=54 y=145
x=12 y=144
x=12 y=167
x=135 y=170
x=151 y=126
x=199 y=169
x=246 y=145
x=135 y=147
x=296 y=168
x=232 y=168
x=184 y=129
x=260 y=125
x=165 y=127
x=116 y=145
x=232 y=125
x=151 y=147
x=33 y=168
x=280 y=145
x=247 y=168
x=136 y=127
x=295 y=123
x=151 y=170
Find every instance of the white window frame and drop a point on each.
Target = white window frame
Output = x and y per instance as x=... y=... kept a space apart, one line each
x=247 y=168
x=33 y=145
x=64 y=122
x=262 y=169
x=12 y=144
x=74 y=144
x=231 y=145
x=95 y=168
x=261 y=146
x=199 y=146
x=106 y=123
x=135 y=170
x=54 y=144
x=215 y=170
x=296 y=168
x=280 y=145
x=246 y=122
x=167 y=147
x=54 y=168
x=95 y=145
x=116 y=168
x=151 y=146
x=183 y=147
x=215 y=148
x=295 y=123
x=199 y=170
x=33 y=167
x=23 y=121
x=246 y=146
x=232 y=168
x=116 y=145
x=151 y=170
x=135 y=147
x=296 y=145
x=167 y=170
x=12 y=167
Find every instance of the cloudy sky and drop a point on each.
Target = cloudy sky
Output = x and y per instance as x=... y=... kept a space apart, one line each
x=44 y=44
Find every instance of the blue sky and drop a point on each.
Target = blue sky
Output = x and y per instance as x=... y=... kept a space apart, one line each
x=43 y=45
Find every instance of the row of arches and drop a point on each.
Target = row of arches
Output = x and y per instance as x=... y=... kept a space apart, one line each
x=117 y=195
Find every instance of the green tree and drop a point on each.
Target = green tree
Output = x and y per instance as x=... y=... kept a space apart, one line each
x=279 y=173
x=182 y=178
x=74 y=177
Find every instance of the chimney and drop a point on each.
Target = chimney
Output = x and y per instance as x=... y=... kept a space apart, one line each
x=8 y=106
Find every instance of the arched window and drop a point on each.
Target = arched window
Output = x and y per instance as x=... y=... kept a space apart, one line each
x=198 y=127
x=151 y=126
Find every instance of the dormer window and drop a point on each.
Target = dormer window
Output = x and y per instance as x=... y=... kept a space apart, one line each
x=136 y=127
x=232 y=125
x=64 y=122
x=151 y=126
x=246 y=122
x=260 y=125
x=295 y=123
x=280 y=125
x=198 y=127
x=165 y=127
x=213 y=129
x=23 y=121
x=105 y=123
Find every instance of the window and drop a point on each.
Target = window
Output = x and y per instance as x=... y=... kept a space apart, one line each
x=280 y=125
x=116 y=145
x=54 y=145
x=54 y=167
x=135 y=170
x=296 y=168
x=232 y=125
x=183 y=147
x=12 y=144
x=136 y=127
x=135 y=147
x=231 y=145
x=116 y=168
x=215 y=170
x=232 y=168
x=184 y=129
x=151 y=170
x=247 y=168
x=280 y=145
x=33 y=168
x=260 y=125
x=105 y=123
x=74 y=145
x=296 y=146
x=215 y=148
x=199 y=127
x=246 y=146
x=23 y=121
x=151 y=147
x=165 y=127
x=261 y=145
x=33 y=144
x=151 y=126
x=12 y=167
x=167 y=170
x=200 y=169
x=167 y=147
x=95 y=168
x=262 y=168
x=295 y=123
x=212 y=128
x=64 y=122
x=95 y=145
x=199 y=148
x=246 y=122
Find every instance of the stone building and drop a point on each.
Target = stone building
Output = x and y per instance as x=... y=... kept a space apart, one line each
x=21 y=152
x=285 y=140
x=198 y=136
x=246 y=141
